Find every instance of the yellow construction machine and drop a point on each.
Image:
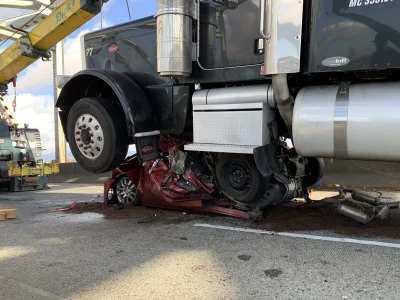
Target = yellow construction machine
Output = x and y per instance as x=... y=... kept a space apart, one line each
x=37 y=43
x=21 y=158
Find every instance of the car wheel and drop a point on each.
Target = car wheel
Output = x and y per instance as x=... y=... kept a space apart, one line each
x=125 y=191
x=238 y=177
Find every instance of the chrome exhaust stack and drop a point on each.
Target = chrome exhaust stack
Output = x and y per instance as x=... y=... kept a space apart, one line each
x=282 y=49
x=284 y=101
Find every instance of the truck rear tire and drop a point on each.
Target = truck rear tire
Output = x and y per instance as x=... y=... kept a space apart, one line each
x=95 y=129
x=238 y=177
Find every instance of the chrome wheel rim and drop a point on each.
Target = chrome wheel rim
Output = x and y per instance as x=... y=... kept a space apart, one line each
x=126 y=191
x=89 y=136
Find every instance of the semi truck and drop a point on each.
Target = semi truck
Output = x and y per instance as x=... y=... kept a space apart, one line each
x=231 y=80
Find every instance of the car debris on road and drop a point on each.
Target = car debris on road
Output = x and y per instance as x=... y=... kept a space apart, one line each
x=358 y=205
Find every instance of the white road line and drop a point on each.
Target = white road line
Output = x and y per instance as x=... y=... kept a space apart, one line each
x=302 y=236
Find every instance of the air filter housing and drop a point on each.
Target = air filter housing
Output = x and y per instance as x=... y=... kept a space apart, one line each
x=175 y=37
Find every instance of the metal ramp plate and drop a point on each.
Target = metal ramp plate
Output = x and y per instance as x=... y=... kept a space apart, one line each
x=221 y=148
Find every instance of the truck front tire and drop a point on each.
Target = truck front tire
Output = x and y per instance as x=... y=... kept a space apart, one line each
x=95 y=130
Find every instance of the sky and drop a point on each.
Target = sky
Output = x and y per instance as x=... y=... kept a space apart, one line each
x=35 y=100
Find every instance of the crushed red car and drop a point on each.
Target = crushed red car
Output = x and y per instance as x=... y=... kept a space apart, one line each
x=224 y=184
x=174 y=181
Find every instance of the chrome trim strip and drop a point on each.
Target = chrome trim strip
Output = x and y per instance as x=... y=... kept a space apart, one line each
x=149 y=133
x=340 y=121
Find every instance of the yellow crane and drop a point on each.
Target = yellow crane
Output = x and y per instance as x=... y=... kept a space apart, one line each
x=36 y=43
x=52 y=24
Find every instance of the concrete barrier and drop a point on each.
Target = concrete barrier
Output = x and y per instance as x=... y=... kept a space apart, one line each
x=349 y=173
x=73 y=173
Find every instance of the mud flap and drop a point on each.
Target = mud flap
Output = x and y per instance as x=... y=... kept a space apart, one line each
x=266 y=160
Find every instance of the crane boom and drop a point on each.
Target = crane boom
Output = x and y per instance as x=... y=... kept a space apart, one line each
x=35 y=44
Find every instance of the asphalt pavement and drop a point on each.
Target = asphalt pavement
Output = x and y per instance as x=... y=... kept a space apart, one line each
x=89 y=253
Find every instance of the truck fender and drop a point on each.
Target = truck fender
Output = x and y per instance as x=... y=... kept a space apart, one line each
x=89 y=83
x=171 y=103
x=160 y=94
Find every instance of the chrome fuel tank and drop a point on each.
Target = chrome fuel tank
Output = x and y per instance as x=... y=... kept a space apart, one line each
x=359 y=122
